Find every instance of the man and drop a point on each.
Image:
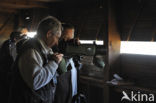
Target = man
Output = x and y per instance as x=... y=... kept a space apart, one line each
x=7 y=57
x=68 y=31
x=66 y=89
x=9 y=46
x=67 y=38
x=36 y=65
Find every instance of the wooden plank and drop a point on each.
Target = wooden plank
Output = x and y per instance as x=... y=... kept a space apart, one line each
x=7 y=10
x=141 y=69
x=48 y=0
x=19 y=6
x=92 y=81
x=139 y=59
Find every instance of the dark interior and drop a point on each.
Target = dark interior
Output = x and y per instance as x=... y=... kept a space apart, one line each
x=112 y=21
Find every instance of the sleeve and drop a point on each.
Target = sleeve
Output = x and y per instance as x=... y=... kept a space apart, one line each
x=33 y=73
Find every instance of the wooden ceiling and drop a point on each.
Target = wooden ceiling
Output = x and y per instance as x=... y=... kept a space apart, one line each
x=11 y=6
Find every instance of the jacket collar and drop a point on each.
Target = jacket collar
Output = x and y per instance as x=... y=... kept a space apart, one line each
x=46 y=49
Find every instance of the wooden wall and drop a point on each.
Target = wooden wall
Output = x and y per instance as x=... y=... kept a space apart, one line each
x=89 y=22
x=6 y=25
x=12 y=21
x=88 y=18
x=138 y=23
x=137 y=20
x=139 y=68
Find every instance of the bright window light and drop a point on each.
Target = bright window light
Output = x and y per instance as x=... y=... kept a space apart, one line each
x=86 y=41
x=31 y=34
x=138 y=47
x=98 y=42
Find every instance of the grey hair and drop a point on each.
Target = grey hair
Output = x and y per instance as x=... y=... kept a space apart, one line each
x=48 y=23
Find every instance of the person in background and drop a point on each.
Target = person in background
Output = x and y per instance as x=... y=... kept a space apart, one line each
x=15 y=38
x=67 y=67
x=36 y=65
x=67 y=38
x=8 y=49
x=68 y=31
x=7 y=58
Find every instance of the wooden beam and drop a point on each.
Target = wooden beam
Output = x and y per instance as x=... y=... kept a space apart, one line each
x=4 y=10
x=48 y=0
x=28 y=1
x=20 y=6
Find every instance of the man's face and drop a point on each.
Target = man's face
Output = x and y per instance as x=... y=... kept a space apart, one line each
x=52 y=39
x=68 y=33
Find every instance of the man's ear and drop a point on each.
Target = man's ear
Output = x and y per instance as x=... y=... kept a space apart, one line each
x=49 y=34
